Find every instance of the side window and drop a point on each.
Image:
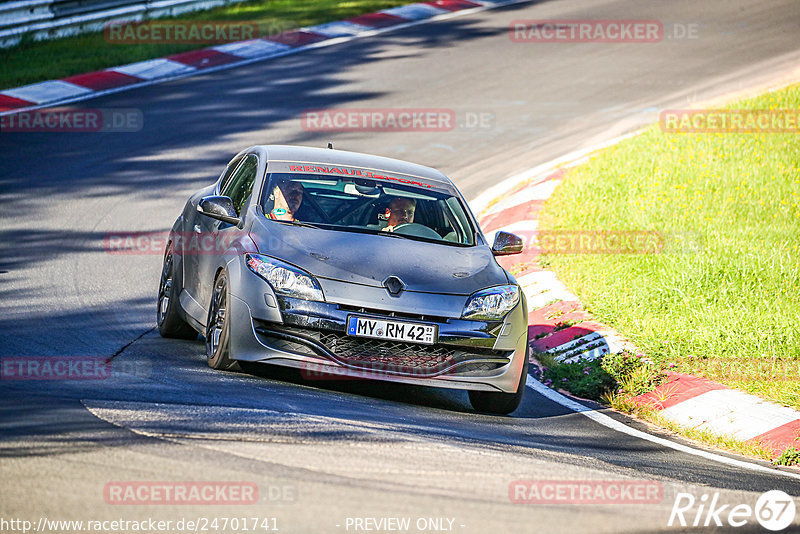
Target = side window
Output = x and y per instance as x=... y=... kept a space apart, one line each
x=241 y=183
x=226 y=174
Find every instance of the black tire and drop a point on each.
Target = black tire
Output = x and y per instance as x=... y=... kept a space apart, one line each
x=501 y=403
x=168 y=317
x=218 y=342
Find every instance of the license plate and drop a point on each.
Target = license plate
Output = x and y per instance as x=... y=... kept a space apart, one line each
x=396 y=330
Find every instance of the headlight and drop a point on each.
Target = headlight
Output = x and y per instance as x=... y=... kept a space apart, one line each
x=284 y=278
x=492 y=304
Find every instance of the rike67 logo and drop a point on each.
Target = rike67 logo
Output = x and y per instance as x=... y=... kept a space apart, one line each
x=774 y=510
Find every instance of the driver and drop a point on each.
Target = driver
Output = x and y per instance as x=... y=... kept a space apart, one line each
x=400 y=211
x=288 y=196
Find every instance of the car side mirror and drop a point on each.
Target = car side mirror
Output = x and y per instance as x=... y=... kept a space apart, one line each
x=506 y=244
x=220 y=208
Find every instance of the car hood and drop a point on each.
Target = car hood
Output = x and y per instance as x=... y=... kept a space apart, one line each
x=369 y=259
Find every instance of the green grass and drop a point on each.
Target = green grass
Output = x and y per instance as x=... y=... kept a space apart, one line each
x=790 y=456
x=584 y=379
x=32 y=62
x=614 y=376
x=722 y=299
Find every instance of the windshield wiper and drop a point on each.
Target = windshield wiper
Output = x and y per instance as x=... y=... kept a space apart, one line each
x=297 y=223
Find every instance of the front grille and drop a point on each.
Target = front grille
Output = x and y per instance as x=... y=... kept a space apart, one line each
x=383 y=356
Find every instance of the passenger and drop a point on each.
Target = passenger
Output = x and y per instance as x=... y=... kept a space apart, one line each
x=288 y=196
x=400 y=211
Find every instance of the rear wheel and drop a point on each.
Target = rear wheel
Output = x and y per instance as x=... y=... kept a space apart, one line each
x=501 y=403
x=170 y=323
x=218 y=326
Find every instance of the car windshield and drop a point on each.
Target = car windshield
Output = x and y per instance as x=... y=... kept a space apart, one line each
x=364 y=205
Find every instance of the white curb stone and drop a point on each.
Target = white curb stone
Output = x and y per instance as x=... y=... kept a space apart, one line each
x=338 y=29
x=414 y=11
x=47 y=91
x=541 y=191
x=154 y=68
x=730 y=412
x=253 y=48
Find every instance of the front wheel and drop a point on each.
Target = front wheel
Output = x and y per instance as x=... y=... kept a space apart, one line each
x=501 y=403
x=218 y=343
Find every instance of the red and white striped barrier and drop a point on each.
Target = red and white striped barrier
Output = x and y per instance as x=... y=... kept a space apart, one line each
x=83 y=86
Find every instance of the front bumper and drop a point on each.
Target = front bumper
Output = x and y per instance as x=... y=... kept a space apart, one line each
x=311 y=336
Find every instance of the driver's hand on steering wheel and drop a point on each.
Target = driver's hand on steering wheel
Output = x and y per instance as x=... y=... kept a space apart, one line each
x=392 y=228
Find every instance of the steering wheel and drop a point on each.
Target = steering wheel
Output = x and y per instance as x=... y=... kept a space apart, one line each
x=416 y=230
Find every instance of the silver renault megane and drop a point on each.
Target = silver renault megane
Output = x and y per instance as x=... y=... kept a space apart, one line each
x=346 y=263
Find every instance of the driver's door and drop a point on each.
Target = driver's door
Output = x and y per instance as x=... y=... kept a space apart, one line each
x=214 y=236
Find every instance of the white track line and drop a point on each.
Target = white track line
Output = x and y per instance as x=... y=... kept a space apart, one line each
x=613 y=424
x=480 y=204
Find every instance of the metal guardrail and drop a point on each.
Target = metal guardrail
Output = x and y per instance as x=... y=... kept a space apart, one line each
x=50 y=19
x=69 y=8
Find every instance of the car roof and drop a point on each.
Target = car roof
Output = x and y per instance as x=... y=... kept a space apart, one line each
x=326 y=156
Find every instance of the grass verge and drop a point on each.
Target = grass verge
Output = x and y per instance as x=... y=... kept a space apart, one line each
x=622 y=374
x=31 y=62
x=721 y=299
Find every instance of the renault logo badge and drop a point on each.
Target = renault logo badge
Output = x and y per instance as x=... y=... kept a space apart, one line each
x=394 y=286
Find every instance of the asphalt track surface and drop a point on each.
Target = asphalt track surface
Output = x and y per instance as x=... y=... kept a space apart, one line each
x=324 y=452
